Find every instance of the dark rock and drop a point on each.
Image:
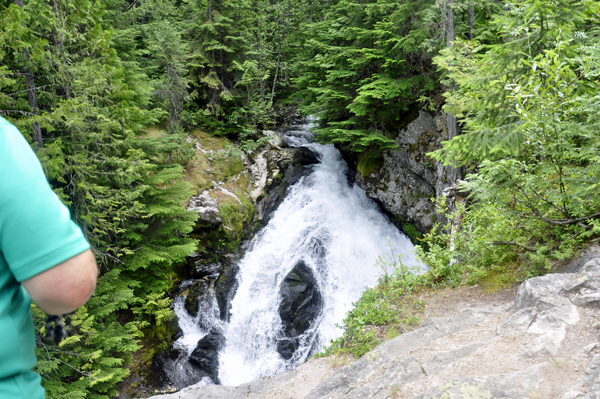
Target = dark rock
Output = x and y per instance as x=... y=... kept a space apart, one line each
x=205 y=357
x=192 y=299
x=305 y=156
x=408 y=178
x=171 y=372
x=301 y=304
x=226 y=287
x=208 y=270
x=293 y=164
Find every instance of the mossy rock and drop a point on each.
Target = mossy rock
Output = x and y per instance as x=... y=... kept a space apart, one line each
x=370 y=163
x=192 y=299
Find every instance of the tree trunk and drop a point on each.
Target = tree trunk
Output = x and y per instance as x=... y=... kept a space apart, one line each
x=261 y=82
x=278 y=66
x=450 y=31
x=471 y=19
x=453 y=173
x=31 y=94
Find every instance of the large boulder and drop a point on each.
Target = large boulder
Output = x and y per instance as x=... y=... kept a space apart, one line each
x=301 y=305
x=205 y=358
x=225 y=288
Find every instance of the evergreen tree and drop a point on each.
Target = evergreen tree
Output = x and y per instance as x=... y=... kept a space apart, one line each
x=529 y=104
x=91 y=107
x=365 y=67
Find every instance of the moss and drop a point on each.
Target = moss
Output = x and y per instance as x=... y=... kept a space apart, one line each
x=157 y=338
x=226 y=167
x=411 y=231
x=370 y=163
x=234 y=215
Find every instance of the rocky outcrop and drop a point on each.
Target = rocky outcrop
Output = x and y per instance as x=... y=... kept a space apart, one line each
x=408 y=178
x=269 y=171
x=205 y=357
x=301 y=305
x=274 y=172
x=545 y=345
x=206 y=206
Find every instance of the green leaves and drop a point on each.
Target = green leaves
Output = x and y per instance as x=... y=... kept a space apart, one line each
x=529 y=106
x=363 y=69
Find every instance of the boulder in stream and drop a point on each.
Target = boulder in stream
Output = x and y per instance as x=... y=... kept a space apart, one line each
x=301 y=305
x=193 y=296
x=205 y=358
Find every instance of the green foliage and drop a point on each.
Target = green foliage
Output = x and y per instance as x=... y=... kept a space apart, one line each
x=482 y=74
x=379 y=308
x=410 y=230
x=92 y=105
x=530 y=107
x=364 y=69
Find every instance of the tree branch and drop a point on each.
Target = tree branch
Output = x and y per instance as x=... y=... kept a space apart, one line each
x=525 y=247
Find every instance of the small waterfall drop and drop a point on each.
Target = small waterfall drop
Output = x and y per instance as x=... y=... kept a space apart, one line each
x=193 y=328
x=331 y=226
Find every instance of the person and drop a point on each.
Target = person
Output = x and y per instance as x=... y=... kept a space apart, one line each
x=44 y=257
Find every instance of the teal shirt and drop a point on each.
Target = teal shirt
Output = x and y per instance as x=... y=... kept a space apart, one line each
x=36 y=234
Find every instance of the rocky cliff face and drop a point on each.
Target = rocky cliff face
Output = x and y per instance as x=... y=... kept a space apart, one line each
x=408 y=179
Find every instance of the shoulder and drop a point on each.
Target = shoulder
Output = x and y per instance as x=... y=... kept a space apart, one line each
x=14 y=148
x=10 y=135
x=6 y=125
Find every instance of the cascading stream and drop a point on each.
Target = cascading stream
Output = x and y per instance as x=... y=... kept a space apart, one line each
x=338 y=232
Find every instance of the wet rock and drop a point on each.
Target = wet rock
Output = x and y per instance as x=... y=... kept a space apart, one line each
x=210 y=270
x=305 y=156
x=287 y=167
x=301 y=305
x=194 y=294
x=170 y=372
x=199 y=265
x=226 y=288
x=205 y=357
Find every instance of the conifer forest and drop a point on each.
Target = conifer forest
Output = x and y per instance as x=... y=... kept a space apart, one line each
x=87 y=82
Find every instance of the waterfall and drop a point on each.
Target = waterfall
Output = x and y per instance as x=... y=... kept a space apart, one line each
x=327 y=222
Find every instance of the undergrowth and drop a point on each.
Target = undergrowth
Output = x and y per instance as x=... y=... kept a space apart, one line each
x=382 y=312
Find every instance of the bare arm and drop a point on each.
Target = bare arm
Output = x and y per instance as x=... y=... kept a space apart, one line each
x=65 y=287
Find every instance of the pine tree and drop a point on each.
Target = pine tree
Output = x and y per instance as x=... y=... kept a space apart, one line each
x=92 y=108
x=365 y=67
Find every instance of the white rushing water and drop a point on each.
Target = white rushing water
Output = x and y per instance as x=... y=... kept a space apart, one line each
x=338 y=232
x=194 y=328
